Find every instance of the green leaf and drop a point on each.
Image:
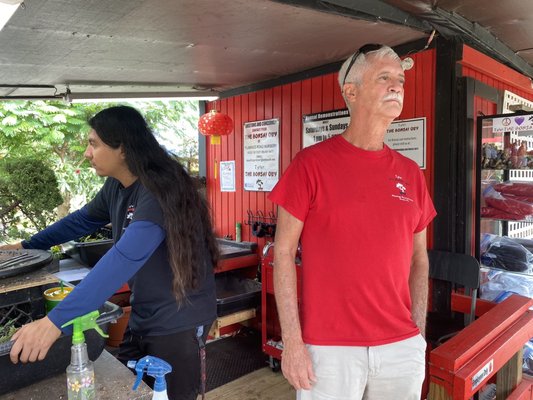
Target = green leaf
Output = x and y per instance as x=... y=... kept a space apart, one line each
x=10 y=120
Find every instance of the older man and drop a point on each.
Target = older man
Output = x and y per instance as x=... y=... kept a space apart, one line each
x=360 y=211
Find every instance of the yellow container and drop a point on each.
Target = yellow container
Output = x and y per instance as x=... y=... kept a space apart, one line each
x=54 y=295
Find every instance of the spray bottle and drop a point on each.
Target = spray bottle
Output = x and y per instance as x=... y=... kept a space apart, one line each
x=156 y=368
x=80 y=372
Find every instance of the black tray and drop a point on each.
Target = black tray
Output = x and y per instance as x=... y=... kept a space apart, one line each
x=16 y=376
x=230 y=248
x=89 y=253
x=36 y=260
x=235 y=293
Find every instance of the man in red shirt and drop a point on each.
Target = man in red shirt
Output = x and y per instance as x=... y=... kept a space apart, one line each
x=360 y=211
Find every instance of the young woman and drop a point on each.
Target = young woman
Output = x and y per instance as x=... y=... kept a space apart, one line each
x=164 y=249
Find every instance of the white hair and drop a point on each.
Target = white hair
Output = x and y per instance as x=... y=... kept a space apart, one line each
x=361 y=63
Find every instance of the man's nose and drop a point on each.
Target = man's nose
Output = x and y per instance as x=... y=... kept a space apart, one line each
x=396 y=86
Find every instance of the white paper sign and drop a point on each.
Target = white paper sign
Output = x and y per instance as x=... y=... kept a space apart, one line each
x=407 y=136
x=261 y=155
x=227 y=176
x=321 y=126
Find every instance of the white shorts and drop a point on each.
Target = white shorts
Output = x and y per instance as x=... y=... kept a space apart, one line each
x=393 y=371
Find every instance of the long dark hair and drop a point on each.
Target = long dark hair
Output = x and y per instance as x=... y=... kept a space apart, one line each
x=187 y=221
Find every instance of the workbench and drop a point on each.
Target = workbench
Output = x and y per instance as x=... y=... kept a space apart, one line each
x=113 y=382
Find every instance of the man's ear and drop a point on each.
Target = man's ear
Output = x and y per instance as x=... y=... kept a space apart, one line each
x=122 y=152
x=350 y=91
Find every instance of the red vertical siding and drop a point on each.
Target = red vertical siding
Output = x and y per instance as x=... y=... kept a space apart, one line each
x=289 y=103
x=484 y=69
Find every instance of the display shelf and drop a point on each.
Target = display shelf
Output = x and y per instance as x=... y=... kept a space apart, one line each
x=504 y=205
x=525 y=221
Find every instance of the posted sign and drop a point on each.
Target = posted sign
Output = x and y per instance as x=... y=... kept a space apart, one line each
x=407 y=136
x=227 y=176
x=261 y=155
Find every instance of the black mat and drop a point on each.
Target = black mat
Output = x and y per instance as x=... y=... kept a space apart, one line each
x=233 y=357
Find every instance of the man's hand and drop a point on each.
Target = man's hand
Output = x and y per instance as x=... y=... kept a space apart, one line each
x=13 y=246
x=33 y=341
x=297 y=366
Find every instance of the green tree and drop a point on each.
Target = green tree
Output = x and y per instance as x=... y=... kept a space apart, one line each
x=29 y=194
x=56 y=133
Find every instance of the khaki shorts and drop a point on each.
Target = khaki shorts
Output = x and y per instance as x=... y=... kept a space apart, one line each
x=389 y=372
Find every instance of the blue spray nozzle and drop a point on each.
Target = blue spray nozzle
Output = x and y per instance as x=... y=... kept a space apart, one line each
x=154 y=367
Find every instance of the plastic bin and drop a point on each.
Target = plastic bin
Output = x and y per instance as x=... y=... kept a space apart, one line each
x=235 y=293
x=89 y=253
x=27 y=305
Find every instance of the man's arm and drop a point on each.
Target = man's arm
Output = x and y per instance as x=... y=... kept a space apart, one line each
x=296 y=362
x=418 y=281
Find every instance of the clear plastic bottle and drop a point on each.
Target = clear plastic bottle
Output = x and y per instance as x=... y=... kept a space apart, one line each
x=80 y=374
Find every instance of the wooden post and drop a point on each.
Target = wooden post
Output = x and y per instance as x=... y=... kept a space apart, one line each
x=509 y=376
x=437 y=392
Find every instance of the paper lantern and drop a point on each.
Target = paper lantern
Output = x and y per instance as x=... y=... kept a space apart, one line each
x=215 y=124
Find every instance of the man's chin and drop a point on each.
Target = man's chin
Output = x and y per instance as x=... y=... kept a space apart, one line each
x=394 y=111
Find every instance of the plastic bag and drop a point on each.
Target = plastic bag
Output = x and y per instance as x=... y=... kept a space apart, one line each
x=509 y=204
x=527 y=243
x=491 y=212
x=504 y=253
x=499 y=282
x=524 y=189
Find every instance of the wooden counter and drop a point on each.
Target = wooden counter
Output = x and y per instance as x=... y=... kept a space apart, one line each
x=113 y=382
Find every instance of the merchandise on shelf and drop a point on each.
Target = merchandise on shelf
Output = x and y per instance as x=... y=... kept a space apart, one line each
x=507 y=204
x=505 y=253
x=523 y=189
x=498 y=283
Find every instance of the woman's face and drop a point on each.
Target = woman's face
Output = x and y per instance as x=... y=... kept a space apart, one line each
x=104 y=159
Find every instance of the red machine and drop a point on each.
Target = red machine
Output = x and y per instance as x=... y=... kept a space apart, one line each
x=270 y=329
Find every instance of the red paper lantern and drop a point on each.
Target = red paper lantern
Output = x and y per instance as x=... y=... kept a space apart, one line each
x=215 y=124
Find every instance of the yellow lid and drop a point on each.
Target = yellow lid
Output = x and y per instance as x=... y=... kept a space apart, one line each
x=57 y=293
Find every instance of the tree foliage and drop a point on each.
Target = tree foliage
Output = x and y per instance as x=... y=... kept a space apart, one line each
x=29 y=193
x=55 y=133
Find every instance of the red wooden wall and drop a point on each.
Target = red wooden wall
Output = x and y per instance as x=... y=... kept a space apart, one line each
x=289 y=103
x=484 y=69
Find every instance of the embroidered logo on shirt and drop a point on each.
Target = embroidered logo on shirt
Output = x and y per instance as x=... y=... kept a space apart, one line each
x=129 y=216
x=400 y=187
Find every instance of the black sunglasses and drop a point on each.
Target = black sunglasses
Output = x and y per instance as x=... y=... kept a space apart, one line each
x=367 y=48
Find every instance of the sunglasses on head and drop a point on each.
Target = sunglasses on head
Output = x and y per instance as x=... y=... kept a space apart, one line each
x=367 y=48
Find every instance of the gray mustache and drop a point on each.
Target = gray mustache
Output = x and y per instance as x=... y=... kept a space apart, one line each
x=394 y=96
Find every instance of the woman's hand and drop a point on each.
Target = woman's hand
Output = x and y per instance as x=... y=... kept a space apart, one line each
x=13 y=246
x=33 y=341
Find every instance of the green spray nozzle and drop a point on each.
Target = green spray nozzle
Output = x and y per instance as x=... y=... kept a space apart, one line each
x=83 y=323
x=154 y=367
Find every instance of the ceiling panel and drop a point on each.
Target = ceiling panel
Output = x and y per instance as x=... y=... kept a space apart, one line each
x=154 y=45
